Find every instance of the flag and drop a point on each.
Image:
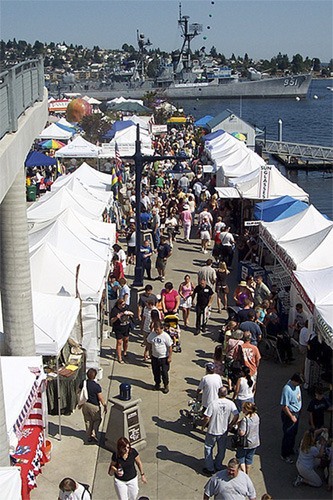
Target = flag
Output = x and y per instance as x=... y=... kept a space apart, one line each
x=118 y=165
x=114 y=179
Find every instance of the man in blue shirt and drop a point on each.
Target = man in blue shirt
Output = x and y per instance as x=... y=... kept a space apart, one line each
x=252 y=327
x=291 y=405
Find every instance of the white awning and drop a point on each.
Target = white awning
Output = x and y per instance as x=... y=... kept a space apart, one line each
x=227 y=192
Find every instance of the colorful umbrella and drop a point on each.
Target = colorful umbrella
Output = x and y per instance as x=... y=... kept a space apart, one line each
x=51 y=144
x=239 y=136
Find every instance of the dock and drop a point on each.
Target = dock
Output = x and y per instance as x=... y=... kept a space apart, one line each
x=294 y=156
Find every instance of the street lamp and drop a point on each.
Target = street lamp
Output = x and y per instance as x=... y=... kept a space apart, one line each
x=139 y=161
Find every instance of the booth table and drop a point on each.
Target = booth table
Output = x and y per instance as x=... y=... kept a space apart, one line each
x=69 y=387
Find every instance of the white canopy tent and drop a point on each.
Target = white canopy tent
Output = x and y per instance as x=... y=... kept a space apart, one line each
x=61 y=269
x=55 y=132
x=317 y=285
x=300 y=225
x=10 y=483
x=143 y=121
x=20 y=396
x=72 y=241
x=80 y=148
x=270 y=184
x=308 y=253
x=77 y=186
x=118 y=100
x=66 y=123
x=53 y=271
x=54 y=320
x=88 y=176
x=125 y=141
x=64 y=198
x=227 y=192
x=72 y=219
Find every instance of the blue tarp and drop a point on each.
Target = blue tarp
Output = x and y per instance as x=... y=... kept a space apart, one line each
x=202 y=122
x=36 y=159
x=279 y=208
x=213 y=135
x=64 y=127
x=116 y=127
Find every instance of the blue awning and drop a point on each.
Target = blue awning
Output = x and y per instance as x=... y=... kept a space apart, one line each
x=36 y=159
x=278 y=208
x=202 y=122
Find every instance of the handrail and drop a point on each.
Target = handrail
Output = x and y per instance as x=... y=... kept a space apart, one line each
x=20 y=87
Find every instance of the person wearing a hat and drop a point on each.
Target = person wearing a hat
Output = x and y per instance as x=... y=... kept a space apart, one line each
x=209 y=385
x=186 y=218
x=242 y=293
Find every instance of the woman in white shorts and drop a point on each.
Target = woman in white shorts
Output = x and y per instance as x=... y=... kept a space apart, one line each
x=205 y=230
x=185 y=291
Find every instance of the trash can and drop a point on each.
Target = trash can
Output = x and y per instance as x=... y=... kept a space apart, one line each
x=31 y=193
x=125 y=392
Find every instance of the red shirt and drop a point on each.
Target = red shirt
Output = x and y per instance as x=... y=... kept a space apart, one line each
x=170 y=299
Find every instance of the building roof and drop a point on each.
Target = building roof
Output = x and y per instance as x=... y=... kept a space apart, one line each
x=223 y=116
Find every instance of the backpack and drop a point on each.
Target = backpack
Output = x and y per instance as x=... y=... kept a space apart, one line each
x=86 y=490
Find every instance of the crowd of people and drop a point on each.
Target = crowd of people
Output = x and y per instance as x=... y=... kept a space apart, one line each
x=186 y=206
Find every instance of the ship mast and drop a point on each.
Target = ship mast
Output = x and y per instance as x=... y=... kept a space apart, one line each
x=142 y=43
x=189 y=31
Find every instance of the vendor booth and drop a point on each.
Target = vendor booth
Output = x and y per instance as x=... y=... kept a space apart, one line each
x=25 y=417
x=64 y=198
x=70 y=274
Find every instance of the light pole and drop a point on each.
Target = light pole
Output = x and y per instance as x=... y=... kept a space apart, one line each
x=139 y=161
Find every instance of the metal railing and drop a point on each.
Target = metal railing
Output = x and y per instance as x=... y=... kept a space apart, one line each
x=20 y=87
x=309 y=151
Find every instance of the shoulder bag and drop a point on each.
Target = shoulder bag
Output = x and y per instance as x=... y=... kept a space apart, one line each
x=238 y=441
x=83 y=396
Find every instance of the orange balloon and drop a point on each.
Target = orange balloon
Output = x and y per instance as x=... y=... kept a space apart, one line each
x=77 y=109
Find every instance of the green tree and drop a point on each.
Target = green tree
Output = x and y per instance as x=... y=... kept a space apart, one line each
x=316 y=64
x=297 y=64
x=38 y=47
x=282 y=61
x=94 y=127
x=213 y=52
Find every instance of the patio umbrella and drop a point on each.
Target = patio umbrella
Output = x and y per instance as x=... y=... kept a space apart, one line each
x=52 y=144
x=239 y=136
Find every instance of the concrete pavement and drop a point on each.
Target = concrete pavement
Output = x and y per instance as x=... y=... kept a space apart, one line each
x=173 y=458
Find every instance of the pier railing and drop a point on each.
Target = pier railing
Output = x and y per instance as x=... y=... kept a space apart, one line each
x=20 y=87
x=306 y=151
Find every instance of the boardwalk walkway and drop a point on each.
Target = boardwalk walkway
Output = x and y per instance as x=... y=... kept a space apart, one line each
x=173 y=458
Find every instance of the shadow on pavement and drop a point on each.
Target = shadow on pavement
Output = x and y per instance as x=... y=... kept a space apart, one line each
x=67 y=431
x=180 y=426
x=177 y=457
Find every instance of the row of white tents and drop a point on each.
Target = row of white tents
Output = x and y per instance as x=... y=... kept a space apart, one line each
x=242 y=173
x=301 y=243
x=303 y=246
x=70 y=252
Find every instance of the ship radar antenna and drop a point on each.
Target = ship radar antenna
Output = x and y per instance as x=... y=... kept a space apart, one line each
x=189 y=31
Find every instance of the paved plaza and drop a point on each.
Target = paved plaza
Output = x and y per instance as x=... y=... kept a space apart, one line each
x=173 y=457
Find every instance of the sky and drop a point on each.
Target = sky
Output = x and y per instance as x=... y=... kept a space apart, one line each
x=260 y=28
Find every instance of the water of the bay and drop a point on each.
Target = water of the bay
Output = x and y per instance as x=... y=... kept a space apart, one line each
x=308 y=121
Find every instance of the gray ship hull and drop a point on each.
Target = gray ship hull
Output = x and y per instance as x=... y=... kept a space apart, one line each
x=289 y=86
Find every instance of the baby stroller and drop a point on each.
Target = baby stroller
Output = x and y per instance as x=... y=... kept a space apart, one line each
x=171 y=325
x=194 y=413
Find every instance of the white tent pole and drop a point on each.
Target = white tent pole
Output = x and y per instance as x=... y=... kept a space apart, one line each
x=4 y=443
x=58 y=391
